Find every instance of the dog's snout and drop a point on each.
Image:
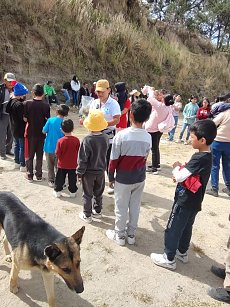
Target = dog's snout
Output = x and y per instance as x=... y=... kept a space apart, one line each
x=79 y=288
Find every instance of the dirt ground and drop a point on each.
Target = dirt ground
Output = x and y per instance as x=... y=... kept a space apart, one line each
x=116 y=276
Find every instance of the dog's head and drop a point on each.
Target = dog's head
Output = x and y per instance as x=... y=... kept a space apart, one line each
x=64 y=259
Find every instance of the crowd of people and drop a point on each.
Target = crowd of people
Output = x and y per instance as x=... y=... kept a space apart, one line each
x=123 y=129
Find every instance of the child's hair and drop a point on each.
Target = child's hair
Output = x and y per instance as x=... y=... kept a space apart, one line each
x=204 y=128
x=67 y=125
x=168 y=100
x=63 y=110
x=141 y=110
x=38 y=90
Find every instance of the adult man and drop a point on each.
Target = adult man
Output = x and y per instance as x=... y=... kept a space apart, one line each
x=6 y=138
x=111 y=110
x=222 y=294
x=36 y=112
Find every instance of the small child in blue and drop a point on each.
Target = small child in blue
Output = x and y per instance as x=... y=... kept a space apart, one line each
x=53 y=132
x=187 y=201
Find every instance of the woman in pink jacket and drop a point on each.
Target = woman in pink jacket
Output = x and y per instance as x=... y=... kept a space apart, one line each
x=160 y=113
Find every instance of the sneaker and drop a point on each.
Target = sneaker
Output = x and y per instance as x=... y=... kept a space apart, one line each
x=110 y=191
x=178 y=141
x=186 y=143
x=85 y=218
x=155 y=172
x=226 y=190
x=72 y=195
x=131 y=240
x=182 y=257
x=149 y=169
x=111 y=234
x=30 y=180
x=51 y=184
x=17 y=166
x=22 y=169
x=219 y=272
x=212 y=192
x=162 y=260
x=219 y=294
x=96 y=215
x=159 y=168
x=57 y=194
x=39 y=178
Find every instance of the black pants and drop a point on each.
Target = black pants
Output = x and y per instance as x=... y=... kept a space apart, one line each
x=178 y=232
x=108 y=157
x=93 y=187
x=35 y=147
x=156 y=136
x=60 y=180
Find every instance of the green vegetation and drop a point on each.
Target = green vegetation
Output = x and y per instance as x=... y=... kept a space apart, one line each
x=54 y=39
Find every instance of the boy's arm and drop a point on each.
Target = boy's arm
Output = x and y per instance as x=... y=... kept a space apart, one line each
x=180 y=174
x=83 y=157
x=114 y=157
x=45 y=129
x=58 y=150
x=185 y=111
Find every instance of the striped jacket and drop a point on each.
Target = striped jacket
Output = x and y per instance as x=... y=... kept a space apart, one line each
x=129 y=152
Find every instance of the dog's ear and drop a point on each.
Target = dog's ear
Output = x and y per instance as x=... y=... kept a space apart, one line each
x=52 y=252
x=78 y=235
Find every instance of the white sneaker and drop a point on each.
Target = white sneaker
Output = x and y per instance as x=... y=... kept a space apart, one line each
x=85 y=218
x=182 y=257
x=110 y=191
x=162 y=260
x=111 y=234
x=155 y=173
x=186 y=142
x=16 y=166
x=96 y=215
x=72 y=195
x=56 y=194
x=178 y=141
x=131 y=240
x=22 y=169
x=51 y=184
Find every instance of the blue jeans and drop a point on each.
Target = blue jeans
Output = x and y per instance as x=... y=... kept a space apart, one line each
x=19 y=151
x=178 y=232
x=67 y=96
x=185 y=125
x=220 y=150
x=172 y=132
x=75 y=98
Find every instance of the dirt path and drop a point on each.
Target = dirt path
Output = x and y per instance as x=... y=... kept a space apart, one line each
x=117 y=276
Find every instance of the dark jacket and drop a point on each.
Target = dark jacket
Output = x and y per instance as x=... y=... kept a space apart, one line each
x=2 y=96
x=15 y=109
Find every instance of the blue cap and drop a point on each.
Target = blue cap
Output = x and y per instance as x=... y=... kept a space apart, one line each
x=20 y=89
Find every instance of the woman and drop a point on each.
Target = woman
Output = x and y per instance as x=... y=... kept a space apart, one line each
x=204 y=111
x=124 y=104
x=75 y=85
x=159 y=114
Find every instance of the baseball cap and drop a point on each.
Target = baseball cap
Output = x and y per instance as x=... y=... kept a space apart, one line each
x=20 y=89
x=9 y=76
x=102 y=85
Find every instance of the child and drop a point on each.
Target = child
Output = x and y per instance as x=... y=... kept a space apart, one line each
x=92 y=165
x=130 y=149
x=189 y=114
x=66 y=152
x=187 y=203
x=53 y=132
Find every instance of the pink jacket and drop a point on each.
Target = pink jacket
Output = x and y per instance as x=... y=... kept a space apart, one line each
x=159 y=113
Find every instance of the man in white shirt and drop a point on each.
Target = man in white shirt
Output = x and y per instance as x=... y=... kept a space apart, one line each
x=111 y=110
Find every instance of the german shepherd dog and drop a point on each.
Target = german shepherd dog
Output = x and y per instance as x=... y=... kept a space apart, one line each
x=36 y=244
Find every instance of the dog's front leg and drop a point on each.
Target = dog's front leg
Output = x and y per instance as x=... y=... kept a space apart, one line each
x=48 y=279
x=14 y=274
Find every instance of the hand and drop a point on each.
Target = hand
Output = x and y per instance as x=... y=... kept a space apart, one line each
x=111 y=184
x=177 y=163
